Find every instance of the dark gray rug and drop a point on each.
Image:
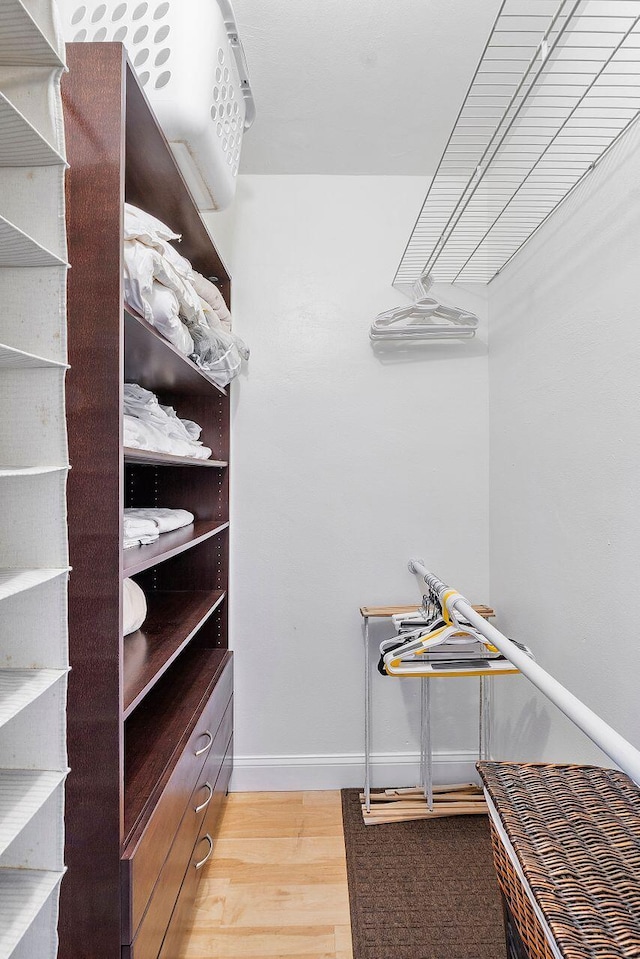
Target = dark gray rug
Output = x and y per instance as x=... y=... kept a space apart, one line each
x=422 y=890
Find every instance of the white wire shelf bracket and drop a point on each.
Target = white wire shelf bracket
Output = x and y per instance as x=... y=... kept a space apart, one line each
x=556 y=87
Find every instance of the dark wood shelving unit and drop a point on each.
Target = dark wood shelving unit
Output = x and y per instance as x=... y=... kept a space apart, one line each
x=138 y=558
x=172 y=621
x=152 y=458
x=157 y=365
x=167 y=718
x=149 y=714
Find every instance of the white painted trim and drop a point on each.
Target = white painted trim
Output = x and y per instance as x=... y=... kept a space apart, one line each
x=343 y=770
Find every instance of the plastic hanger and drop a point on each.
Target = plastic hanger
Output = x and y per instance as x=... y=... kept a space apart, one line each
x=425 y=319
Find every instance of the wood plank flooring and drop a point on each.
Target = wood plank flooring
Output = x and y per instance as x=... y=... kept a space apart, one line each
x=276 y=885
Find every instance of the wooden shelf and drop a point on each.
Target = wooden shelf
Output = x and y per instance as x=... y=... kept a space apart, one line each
x=172 y=621
x=157 y=732
x=151 y=458
x=156 y=364
x=139 y=558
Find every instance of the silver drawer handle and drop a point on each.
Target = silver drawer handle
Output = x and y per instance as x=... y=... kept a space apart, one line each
x=204 y=805
x=199 y=752
x=200 y=864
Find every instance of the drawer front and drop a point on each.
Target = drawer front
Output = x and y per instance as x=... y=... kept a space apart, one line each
x=183 y=912
x=151 y=932
x=144 y=857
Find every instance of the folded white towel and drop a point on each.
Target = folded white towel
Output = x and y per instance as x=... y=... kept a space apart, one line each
x=134 y=607
x=139 y=532
x=165 y=519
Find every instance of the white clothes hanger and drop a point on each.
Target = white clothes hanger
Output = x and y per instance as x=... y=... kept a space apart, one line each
x=425 y=319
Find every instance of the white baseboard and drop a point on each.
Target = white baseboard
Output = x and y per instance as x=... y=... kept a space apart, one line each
x=343 y=770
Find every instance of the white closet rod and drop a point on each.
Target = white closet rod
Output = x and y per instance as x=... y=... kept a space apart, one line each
x=626 y=756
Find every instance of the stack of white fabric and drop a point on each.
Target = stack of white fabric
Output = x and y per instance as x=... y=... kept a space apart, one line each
x=142 y=526
x=150 y=426
x=163 y=288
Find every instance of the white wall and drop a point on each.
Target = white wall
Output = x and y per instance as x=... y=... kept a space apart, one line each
x=345 y=464
x=565 y=461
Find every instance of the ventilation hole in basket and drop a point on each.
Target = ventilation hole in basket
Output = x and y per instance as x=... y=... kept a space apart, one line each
x=163 y=79
x=162 y=34
x=163 y=56
x=218 y=75
x=120 y=34
x=144 y=78
x=98 y=13
x=229 y=159
x=80 y=36
x=223 y=93
x=216 y=94
x=78 y=15
x=232 y=142
x=226 y=75
x=227 y=126
x=224 y=144
x=141 y=57
x=219 y=129
x=236 y=109
x=221 y=110
x=213 y=112
x=100 y=35
x=119 y=12
x=220 y=55
x=161 y=11
x=140 y=11
x=140 y=34
x=228 y=109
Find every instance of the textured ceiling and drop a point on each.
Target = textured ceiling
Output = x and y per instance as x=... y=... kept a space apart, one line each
x=357 y=86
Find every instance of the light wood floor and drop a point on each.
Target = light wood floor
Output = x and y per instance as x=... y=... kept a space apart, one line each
x=276 y=885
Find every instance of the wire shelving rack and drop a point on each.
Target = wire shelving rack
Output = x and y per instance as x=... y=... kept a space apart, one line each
x=557 y=85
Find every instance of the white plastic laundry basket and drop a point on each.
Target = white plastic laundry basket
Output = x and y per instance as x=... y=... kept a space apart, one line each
x=190 y=61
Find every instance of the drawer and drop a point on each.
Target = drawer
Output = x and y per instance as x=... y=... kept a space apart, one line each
x=184 y=909
x=146 y=852
x=204 y=799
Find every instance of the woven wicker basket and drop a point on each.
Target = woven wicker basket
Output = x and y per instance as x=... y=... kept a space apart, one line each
x=571 y=834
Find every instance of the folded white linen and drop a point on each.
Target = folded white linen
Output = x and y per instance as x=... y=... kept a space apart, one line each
x=139 y=532
x=143 y=266
x=150 y=259
x=157 y=304
x=134 y=607
x=158 y=428
x=207 y=291
x=191 y=429
x=165 y=519
x=140 y=225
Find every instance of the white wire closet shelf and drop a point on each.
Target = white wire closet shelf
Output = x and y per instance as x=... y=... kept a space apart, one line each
x=557 y=85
